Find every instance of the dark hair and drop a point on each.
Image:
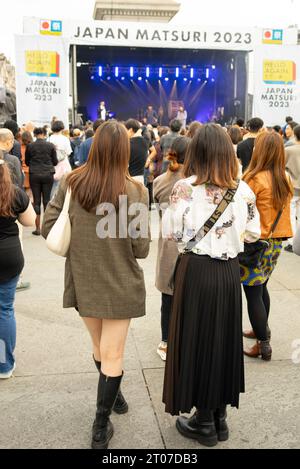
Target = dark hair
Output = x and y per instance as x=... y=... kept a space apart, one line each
x=269 y=155
x=277 y=129
x=26 y=138
x=132 y=124
x=211 y=158
x=97 y=124
x=235 y=135
x=57 y=126
x=12 y=126
x=163 y=131
x=240 y=122
x=193 y=129
x=292 y=125
x=297 y=132
x=289 y=119
x=39 y=131
x=175 y=125
x=255 y=124
x=177 y=153
x=103 y=178
x=89 y=133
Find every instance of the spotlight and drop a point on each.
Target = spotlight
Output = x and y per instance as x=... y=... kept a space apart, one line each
x=166 y=79
x=100 y=71
x=213 y=67
x=213 y=80
x=147 y=72
x=160 y=72
x=199 y=79
x=116 y=72
x=177 y=72
x=131 y=71
x=207 y=73
x=108 y=78
x=185 y=79
x=122 y=78
x=140 y=78
x=92 y=77
x=78 y=64
x=192 y=72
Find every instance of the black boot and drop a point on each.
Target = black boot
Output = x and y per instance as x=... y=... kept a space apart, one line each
x=200 y=427
x=121 y=406
x=103 y=429
x=221 y=424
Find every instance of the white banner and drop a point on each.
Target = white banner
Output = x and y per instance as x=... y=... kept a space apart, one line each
x=42 y=73
x=167 y=35
x=277 y=84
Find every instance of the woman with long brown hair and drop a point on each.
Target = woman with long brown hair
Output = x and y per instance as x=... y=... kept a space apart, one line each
x=210 y=215
x=273 y=189
x=14 y=206
x=103 y=280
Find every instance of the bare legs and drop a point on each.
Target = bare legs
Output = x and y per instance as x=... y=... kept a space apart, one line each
x=108 y=339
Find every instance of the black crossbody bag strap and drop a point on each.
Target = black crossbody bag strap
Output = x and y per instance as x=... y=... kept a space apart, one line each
x=213 y=219
x=276 y=222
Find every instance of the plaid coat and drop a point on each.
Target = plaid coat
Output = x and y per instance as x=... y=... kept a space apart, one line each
x=102 y=277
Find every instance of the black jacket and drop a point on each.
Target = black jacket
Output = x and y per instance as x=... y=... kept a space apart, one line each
x=245 y=151
x=41 y=157
x=15 y=169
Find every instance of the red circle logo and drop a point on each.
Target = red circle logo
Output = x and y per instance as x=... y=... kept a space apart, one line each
x=45 y=25
x=268 y=34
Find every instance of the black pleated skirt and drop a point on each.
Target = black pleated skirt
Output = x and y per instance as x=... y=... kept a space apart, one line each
x=205 y=364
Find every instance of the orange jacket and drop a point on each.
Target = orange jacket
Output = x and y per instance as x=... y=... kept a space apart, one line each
x=261 y=185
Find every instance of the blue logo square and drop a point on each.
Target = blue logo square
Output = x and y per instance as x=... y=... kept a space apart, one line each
x=278 y=35
x=56 y=26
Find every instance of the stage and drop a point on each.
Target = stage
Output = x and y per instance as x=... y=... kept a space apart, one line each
x=211 y=84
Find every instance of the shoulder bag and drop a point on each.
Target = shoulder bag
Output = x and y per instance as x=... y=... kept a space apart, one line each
x=59 y=238
x=254 y=252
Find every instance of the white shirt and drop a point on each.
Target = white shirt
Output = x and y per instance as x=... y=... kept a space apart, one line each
x=191 y=206
x=62 y=144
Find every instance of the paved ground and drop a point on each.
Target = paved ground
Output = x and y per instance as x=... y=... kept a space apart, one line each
x=50 y=402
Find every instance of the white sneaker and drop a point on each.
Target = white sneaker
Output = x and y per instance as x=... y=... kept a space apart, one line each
x=8 y=374
x=162 y=351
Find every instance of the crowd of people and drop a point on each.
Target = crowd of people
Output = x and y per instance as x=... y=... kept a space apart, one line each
x=228 y=202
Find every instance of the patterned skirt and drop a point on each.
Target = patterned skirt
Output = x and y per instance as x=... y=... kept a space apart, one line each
x=253 y=277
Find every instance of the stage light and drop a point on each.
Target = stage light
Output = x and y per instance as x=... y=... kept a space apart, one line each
x=160 y=72
x=147 y=72
x=177 y=72
x=78 y=64
x=213 y=80
x=100 y=71
x=92 y=77
x=185 y=79
x=166 y=79
x=116 y=72
x=122 y=78
x=192 y=73
x=131 y=71
x=108 y=78
x=213 y=67
x=140 y=78
x=199 y=79
x=207 y=73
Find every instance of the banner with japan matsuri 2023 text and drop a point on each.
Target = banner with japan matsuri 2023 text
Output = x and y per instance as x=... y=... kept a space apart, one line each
x=42 y=76
x=277 y=83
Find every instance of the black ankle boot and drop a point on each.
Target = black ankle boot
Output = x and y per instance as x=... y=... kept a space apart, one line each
x=121 y=406
x=200 y=427
x=103 y=429
x=221 y=424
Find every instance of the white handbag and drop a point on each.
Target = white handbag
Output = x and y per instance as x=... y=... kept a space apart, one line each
x=59 y=237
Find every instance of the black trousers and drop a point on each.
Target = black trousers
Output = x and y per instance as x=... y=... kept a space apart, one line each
x=166 y=309
x=258 y=300
x=41 y=186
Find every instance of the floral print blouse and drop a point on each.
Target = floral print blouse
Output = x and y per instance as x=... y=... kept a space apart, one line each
x=191 y=206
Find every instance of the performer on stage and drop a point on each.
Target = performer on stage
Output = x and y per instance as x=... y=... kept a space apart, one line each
x=151 y=115
x=102 y=111
x=182 y=116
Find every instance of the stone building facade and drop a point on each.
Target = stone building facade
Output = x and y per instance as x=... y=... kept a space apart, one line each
x=161 y=11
